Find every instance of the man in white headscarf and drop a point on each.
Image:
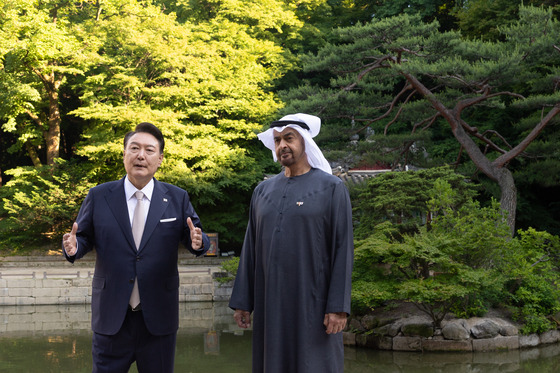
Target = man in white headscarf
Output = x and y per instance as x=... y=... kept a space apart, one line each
x=294 y=274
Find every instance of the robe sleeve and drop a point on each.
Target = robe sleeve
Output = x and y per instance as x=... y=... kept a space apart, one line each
x=242 y=296
x=342 y=252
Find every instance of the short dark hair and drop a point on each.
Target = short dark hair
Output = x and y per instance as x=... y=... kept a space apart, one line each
x=146 y=127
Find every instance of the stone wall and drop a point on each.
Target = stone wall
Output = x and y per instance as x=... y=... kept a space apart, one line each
x=406 y=332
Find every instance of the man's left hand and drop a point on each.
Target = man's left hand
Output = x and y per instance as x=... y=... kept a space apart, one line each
x=196 y=235
x=335 y=322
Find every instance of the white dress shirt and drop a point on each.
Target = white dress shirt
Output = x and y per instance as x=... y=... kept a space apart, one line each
x=131 y=200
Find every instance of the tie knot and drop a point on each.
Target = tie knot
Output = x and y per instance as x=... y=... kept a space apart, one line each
x=139 y=195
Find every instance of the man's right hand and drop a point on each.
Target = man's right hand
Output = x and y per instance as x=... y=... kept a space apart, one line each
x=69 y=241
x=243 y=318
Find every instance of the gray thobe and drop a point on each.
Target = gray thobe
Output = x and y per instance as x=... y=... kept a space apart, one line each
x=295 y=267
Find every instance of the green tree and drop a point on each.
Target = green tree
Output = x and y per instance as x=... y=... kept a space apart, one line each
x=436 y=269
x=399 y=74
x=39 y=203
x=463 y=262
x=39 y=49
x=402 y=198
x=533 y=276
x=207 y=85
x=482 y=19
x=428 y=10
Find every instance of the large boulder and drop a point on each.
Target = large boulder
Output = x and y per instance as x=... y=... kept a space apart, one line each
x=485 y=329
x=455 y=330
x=413 y=327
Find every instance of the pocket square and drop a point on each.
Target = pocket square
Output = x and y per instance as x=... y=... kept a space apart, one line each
x=167 y=220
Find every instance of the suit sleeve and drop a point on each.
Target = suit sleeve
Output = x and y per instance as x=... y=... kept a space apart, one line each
x=85 y=233
x=190 y=212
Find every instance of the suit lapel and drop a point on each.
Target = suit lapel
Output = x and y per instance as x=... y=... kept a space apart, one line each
x=158 y=204
x=116 y=200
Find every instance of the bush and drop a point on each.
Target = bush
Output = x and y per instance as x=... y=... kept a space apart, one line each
x=230 y=270
x=39 y=205
x=533 y=266
x=402 y=199
x=427 y=269
x=464 y=261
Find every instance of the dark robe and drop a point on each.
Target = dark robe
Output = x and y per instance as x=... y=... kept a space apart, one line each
x=295 y=267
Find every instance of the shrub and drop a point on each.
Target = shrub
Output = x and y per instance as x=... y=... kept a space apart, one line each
x=39 y=205
x=532 y=266
x=464 y=261
x=229 y=267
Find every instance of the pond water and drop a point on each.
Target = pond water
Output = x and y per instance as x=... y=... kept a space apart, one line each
x=58 y=339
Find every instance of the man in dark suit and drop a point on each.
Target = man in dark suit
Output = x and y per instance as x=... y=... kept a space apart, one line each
x=135 y=226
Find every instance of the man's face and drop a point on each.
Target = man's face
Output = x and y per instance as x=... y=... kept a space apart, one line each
x=141 y=158
x=289 y=147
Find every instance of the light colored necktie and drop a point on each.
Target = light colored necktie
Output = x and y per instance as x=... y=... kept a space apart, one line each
x=139 y=219
x=138 y=222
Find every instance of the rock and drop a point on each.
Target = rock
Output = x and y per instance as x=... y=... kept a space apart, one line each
x=530 y=340
x=498 y=343
x=389 y=330
x=375 y=342
x=505 y=328
x=407 y=344
x=402 y=327
x=508 y=330
x=379 y=342
x=355 y=324
x=455 y=330
x=369 y=322
x=551 y=336
x=417 y=328
x=446 y=345
x=360 y=340
x=485 y=329
x=382 y=321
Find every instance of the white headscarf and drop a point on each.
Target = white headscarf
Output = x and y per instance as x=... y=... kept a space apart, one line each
x=308 y=126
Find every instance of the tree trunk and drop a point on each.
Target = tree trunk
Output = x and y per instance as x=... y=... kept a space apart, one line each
x=32 y=152
x=508 y=200
x=494 y=170
x=52 y=135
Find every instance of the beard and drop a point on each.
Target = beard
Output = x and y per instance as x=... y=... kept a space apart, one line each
x=286 y=161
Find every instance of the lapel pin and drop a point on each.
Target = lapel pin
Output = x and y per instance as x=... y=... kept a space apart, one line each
x=165 y=200
x=299 y=203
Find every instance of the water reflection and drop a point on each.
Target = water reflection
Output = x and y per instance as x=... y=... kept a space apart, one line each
x=58 y=339
x=541 y=360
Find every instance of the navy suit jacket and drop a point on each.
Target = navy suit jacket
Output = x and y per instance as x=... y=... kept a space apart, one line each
x=104 y=225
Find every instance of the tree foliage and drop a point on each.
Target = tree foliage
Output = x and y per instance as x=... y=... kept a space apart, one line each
x=465 y=262
x=39 y=48
x=482 y=19
x=33 y=218
x=400 y=75
x=206 y=84
x=75 y=77
x=402 y=198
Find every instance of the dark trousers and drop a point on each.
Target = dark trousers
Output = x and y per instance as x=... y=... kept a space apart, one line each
x=116 y=353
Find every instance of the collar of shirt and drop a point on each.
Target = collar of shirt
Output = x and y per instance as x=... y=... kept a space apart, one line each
x=131 y=200
x=130 y=189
